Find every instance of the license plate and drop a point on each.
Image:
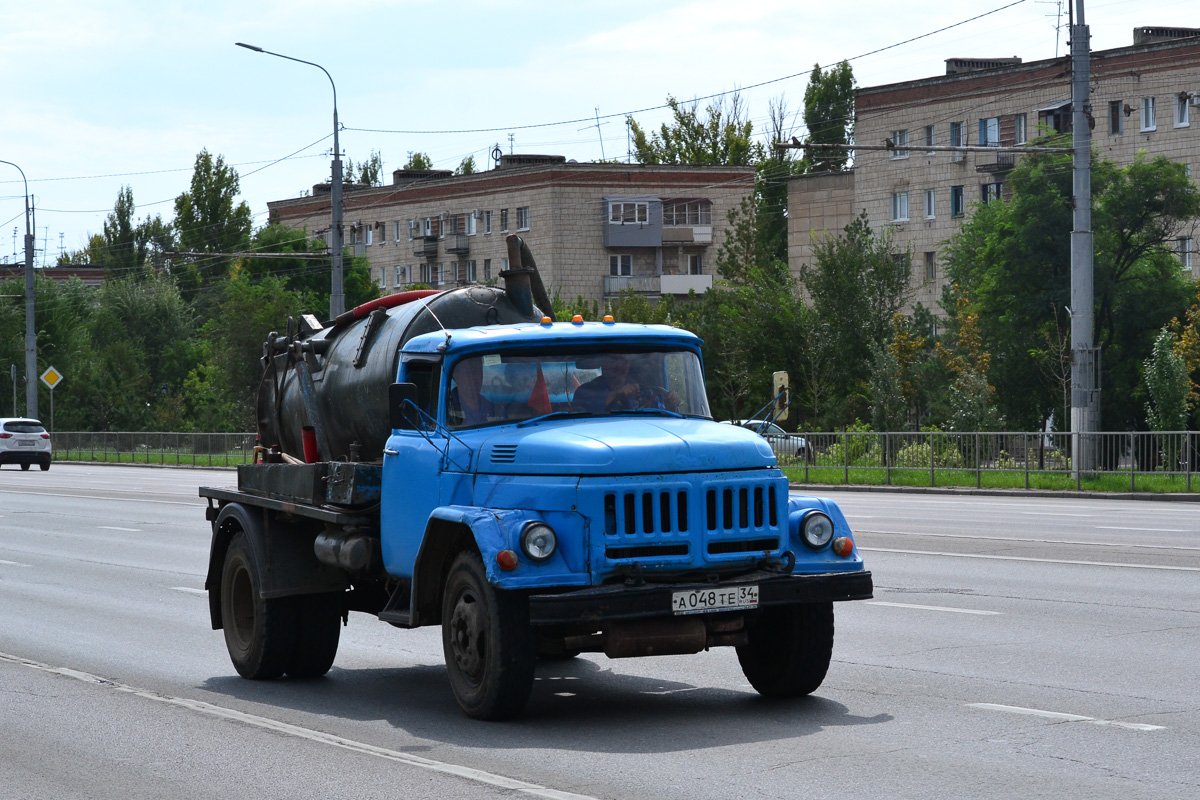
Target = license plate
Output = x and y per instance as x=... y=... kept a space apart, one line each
x=26 y=443
x=703 y=601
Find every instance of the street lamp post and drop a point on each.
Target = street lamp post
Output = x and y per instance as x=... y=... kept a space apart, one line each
x=31 y=398
x=337 y=297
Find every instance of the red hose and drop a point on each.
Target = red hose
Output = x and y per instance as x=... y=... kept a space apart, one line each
x=387 y=301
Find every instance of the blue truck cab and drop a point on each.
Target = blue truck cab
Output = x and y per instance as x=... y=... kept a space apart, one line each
x=547 y=489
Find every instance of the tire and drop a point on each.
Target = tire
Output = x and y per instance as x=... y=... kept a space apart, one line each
x=24 y=466
x=259 y=634
x=318 y=629
x=45 y=465
x=487 y=641
x=789 y=649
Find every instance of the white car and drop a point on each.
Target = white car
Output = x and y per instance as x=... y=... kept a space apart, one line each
x=782 y=442
x=25 y=442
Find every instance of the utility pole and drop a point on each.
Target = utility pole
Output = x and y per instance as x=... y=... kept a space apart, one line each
x=1085 y=360
x=31 y=370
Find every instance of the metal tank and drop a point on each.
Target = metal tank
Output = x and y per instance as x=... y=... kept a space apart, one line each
x=333 y=380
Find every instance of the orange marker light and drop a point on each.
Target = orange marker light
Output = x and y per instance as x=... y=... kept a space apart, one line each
x=545 y=320
x=608 y=317
x=843 y=546
x=577 y=319
x=507 y=560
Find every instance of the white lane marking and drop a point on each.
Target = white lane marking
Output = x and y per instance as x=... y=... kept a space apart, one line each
x=1154 y=530
x=265 y=723
x=199 y=502
x=934 y=608
x=1035 y=560
x=1053 y=514
x=1058 y=715
x=115 y=528
x=1022 y=540
x=13 y=564
x=190 y=590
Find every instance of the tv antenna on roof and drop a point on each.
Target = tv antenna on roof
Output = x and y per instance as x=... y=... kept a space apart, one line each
x=599 y=132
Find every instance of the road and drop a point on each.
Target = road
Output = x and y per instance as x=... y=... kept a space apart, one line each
x=1016 y=647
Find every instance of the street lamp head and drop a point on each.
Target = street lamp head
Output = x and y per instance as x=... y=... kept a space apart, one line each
x=249 y=47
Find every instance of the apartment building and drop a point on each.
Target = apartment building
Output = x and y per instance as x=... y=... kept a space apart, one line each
x=1145 y=97
x=595 y=230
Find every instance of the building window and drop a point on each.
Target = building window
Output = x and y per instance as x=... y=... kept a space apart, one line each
x=1020 y=134
x=930 y=138
x=471 y=272
x=401 y=275
x=899 y=140
x=427 y=226
x=930 y=268
x=1116 y=119
x=1181 y=110
x=957 y=140
x=685 y=212
x=425 y=276
x=902 y=264
x=487 y=222
x=504 y=265
x=631 y=213
x=989 y=132
x=442 y=225
x=989 y=192
x=930 y=207
x=695 y=264
x=522 y=218
x=957 y=207
x=441 y=274
x=1149 y=122
x=370 y=234
x=899 y=206
x=1183 y=247
x=620 y=265
x=487 y=269
x=396 y=231
x=471 y=223
x=382 y=278
x=504 y=220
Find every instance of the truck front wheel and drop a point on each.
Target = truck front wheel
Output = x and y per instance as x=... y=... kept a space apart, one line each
x=789 y=649
x=487 y=641
x=259 y=634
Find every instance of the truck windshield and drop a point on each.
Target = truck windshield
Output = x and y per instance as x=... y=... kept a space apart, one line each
x=496 y=388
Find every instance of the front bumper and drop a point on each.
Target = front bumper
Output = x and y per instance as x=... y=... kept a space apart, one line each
x=654 y=600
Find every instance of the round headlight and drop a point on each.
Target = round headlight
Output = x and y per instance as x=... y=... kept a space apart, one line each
x=538 y=541
x=816 y=530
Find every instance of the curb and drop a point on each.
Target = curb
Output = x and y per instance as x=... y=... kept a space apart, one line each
x=1193 y=497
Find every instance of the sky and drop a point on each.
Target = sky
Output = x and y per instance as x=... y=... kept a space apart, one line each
x=98 y=96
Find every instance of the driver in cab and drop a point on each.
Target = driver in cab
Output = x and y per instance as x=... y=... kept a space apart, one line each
x=614 y=389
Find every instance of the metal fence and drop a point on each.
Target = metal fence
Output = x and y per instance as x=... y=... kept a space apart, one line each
x=173 y=449
x=1115 y=461
x=1138 y=461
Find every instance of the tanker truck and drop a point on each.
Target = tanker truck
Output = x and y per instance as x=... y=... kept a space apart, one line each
x=538 y=488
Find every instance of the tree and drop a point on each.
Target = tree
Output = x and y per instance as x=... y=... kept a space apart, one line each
x=209 y=219
x=770 y=182
x=1167 y=384
x=829 y=115
x=971 y=397
x=466 y=166
x=418 y=161
x=856 y=283
x=1013 y=260
x=368 y=173
x=722 y=137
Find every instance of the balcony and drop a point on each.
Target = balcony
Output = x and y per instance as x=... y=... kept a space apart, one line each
x=425 y=246
x=614 y=285
x=687 y=234
x=1001 y=163
x=458 y=243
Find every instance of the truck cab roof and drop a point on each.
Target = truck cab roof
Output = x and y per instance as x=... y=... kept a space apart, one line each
x=550 y=334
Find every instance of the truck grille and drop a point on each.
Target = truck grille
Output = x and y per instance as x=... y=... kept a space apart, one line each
x=736 y=508
x=634 y=512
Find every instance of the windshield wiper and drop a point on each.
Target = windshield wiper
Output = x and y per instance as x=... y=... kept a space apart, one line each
x=556 y=414
x=649 y=410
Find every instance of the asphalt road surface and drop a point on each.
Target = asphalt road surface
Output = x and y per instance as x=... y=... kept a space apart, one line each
x=1015 y=648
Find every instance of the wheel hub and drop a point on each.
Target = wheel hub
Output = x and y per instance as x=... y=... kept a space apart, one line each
x=466 y=637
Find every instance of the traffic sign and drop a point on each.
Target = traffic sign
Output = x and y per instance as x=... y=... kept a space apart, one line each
x=51 y=377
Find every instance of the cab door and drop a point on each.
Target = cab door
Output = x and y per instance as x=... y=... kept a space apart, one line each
x=412 y=464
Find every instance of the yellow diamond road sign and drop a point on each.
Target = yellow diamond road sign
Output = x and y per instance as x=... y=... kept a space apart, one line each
x=51 y=377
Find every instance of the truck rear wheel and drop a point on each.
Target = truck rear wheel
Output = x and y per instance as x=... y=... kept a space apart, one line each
x=318 y=629
x=789 y=649
x=259 y=634
x=487 y=641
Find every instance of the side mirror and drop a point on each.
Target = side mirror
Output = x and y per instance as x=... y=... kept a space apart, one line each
x=783 y=397
x=400 y=414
